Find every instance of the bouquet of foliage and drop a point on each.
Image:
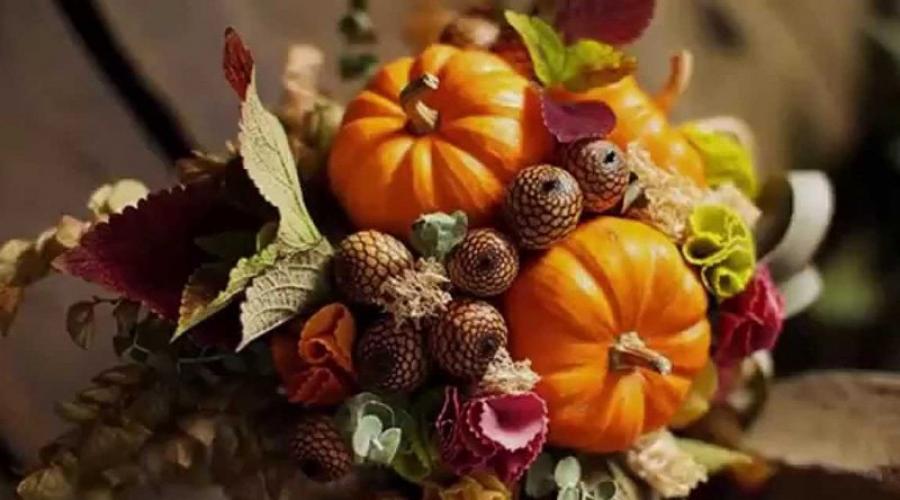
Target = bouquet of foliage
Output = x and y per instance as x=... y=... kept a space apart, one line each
x=506 y=275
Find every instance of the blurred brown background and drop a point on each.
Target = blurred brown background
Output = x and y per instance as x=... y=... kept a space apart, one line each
x=794 y=70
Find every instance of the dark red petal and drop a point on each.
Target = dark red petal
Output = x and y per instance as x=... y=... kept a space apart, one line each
x=615 y=22
x=569 y=122
x=237 y=62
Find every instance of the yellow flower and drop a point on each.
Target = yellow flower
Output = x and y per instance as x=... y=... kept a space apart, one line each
x=478 y=486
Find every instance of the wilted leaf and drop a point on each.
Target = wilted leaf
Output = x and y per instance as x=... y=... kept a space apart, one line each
x=104 y=395
x=20 y=263
x=611 y=21
x=10 y=298
x=76 y=412
x=200 y=427
x=147 y=252
x=569 y=122
x=712 y=457
x=436 y=234
x=121 y=475
x=46 y=484
x=269 y=162
x=293 y=284
x=99 y=493
x=238 y=279
x=152 y=407
x=80 y=323
x=106 y=446
x=125 y=375
x=180 y=451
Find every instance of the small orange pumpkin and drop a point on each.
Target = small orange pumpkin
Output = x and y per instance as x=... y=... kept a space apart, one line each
x=445 y=131
x=615 y=323
x=644 y=119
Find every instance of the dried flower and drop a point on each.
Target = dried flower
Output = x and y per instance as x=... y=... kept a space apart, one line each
x=416 y=294
x=506 y=376
x=478 y=486
x=317 y=368
x=501 y=433
x=750 y=321
x=657 y=459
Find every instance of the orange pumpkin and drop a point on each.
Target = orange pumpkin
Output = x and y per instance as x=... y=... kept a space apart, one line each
x=615 y=323
x=643 y=119
x=445 y=131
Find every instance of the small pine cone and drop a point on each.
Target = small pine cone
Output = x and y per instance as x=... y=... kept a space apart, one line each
x=391 y=357
x=485 y=263
x=466 y=339
x=363 y=262
x=600 y=169
x=475 y=29
x=543 y=205
x=319 y=450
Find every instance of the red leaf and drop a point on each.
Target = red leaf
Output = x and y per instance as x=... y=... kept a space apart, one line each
x=237 y=62
x=147 y=252
x=569 y=122
x=616 y=22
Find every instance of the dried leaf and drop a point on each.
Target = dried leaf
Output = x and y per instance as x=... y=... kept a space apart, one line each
x=77 y=413
x=712 y=457
x=239 y=278
x=47 y=484
x=126 y=375
x=270 y=165
x=105 y=395
x=611 y=21
x=436 y=234
x=20 y=263
x=147 y=252
x=293 y=284
x=80 y=323
x=114 y=198
x=200 y=427
x=106 y=445
x=10 y=298
x=237 y=62
x=120 y=476
x=180 y=451
x=569 y=122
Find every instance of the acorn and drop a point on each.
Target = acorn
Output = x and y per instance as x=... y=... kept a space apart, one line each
x=364 y=260
x=484 y=264
x=600 y=169
x=318 y=449
x=391 y=357
x=466 y=338
x=543 y=204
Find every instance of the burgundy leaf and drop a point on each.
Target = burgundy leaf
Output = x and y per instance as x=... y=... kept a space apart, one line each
x=237 y=63
x=569 y=122
x=616 y=22
x=147 y=252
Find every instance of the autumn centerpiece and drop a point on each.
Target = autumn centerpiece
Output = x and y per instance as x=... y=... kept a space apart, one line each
x=511 y=276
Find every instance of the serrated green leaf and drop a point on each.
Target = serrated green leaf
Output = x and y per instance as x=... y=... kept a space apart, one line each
x=239 y=278
x=384 y=447
x=46 y=484
x=368 y=428
x=436 y=234
x=545 y=46
x=712 y=457
x=76 y=412
x=80 y=323
x=294 y=284
x=270 y=165
x=567 y=473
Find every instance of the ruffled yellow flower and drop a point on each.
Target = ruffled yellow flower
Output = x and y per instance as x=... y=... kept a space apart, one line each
x=721 y=244
x=478 y=486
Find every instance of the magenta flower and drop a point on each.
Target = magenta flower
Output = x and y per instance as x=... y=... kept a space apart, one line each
x=749 y=321
x=500 y=433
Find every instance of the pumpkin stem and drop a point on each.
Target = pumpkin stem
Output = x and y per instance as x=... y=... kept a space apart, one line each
x=422 y=118
x=631 y=352
x=682 y=68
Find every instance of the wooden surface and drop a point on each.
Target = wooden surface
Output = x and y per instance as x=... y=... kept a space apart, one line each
x=64 y=132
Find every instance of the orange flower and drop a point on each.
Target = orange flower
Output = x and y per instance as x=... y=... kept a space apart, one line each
x=317 y=368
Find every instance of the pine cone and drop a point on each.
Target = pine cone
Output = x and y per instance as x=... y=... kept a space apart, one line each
x=466 y=338
x=391 y=357
x=319 y=450
x=485 y=263
x=543 y=205
x=363 y=262
x=600 y=169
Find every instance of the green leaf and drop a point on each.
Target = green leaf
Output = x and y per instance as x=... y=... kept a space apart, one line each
x=545 y=46
x=725 y=159
x=239 y=278
x=270 y=165
x=294 y=284
x=80 y=323
x=384 y=447
x=229 y=246
x=567 y=473
x=712 y=457
x=568 y=493
x=47 y=484
x=540 y=482
x=368 y=429
x=436 y=234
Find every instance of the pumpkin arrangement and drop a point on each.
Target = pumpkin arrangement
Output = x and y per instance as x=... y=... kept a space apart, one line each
x=539 y=279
